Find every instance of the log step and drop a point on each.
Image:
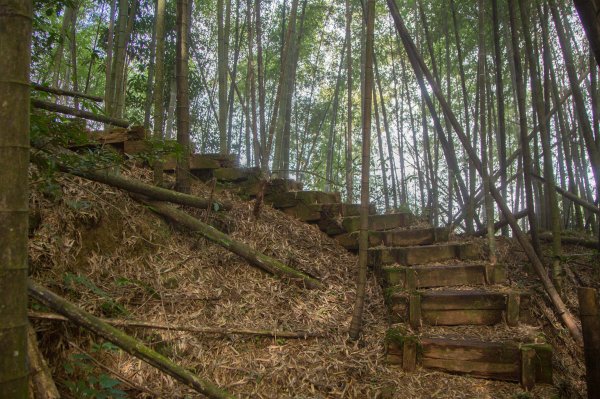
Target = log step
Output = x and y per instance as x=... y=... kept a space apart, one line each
x=376 y=223
x=411 y=278
x=397 y=238
x=292 y=198
x=455 y=307
x=422 y=254
x=527 y=363
x=201 y=162
x=315 y=213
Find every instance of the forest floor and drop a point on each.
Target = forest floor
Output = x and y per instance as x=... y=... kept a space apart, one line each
x=113 y=257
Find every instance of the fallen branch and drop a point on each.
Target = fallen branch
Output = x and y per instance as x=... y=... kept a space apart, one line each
x=571 y=196
x=253 y=256
x=500 y=224
x=61 y=109
x=68 y=93
x=584 y=242
x=201 y=330
x=40 y=379
x=123 y=341
x=135 y=186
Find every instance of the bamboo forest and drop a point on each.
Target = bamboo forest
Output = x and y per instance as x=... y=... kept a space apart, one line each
x=387 y=199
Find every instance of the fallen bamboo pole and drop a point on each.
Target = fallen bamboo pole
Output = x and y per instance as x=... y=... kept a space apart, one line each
x=588 y=243
x=40 y=379
x=253 y=256
x=124 y=341
x=61 y=109
x=134 y=186
x=500 y=224
x=571 y=196
x=68 y=93
x=187 y=328
x=590 y=323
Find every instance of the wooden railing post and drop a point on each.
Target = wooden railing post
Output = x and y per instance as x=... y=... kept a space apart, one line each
x=590 y=324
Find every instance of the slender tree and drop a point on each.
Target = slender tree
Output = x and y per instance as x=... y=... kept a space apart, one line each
x=356 y=322
x=182 y=183
x=15 y=60
x=348 y=157
x=159 y=86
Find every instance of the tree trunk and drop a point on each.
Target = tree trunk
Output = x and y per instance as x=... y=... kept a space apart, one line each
x=503 y=165
x=349 y=116
x=222 y=61
x=159 y=86
x=363 y=243
x=540 y=109
x=332 y=123
x=15 y=39
x=525 y=151
x=183 y=180
x=151 y=71
x=481 y=68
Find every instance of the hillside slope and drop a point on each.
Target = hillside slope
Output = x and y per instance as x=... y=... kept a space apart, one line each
x=115 y=258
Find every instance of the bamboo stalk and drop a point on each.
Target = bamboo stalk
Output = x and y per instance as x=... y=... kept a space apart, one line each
x=254 y=257
x=124 y=341
x=188 y=328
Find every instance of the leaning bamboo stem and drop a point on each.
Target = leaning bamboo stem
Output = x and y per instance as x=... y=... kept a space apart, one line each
x=254 y=257
x=68 y=93
x=61 y=109
x=188 y=328
x=138 y=187
x=124 y=341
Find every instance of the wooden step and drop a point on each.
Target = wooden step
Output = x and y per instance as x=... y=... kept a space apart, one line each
x=411 y=278
x=313 y=213
x=293 y=198
x=422 y=254
x=376 y=222
x=204 y=162
x=527 y=363
x=455 y=307
x=397 y=238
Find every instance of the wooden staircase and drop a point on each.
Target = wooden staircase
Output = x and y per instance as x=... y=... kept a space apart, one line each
x=428 y=282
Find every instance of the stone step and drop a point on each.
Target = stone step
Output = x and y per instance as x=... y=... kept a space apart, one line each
x=351 y=224
x=525 y=363
x=422 y=254
x=426 y=276
x=456 y=307
x=292 y=198
x=397 y=238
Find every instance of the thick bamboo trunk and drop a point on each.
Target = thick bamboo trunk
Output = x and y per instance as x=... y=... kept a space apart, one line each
x=124 y=341
x=254 y=257
x=15 y=60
